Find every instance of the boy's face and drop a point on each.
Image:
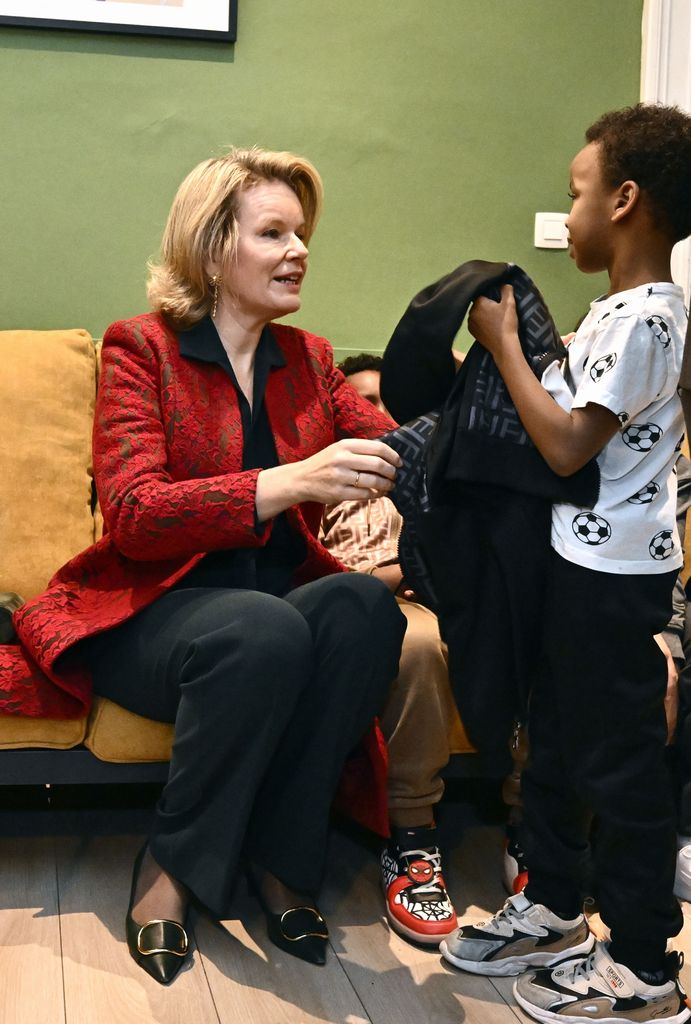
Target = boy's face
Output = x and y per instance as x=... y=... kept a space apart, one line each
x=366 y=383
x=589 y=223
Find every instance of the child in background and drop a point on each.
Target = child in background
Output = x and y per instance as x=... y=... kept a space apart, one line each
x=597 y=725
x=419 y=716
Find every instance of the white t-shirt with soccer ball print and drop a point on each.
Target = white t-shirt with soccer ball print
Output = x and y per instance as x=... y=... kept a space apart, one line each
x=626 y=356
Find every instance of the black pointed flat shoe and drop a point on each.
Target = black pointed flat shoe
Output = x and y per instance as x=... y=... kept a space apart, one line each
x=159 y=947
x=300 y=931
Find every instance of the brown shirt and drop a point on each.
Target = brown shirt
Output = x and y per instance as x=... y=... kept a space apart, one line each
x=362 y=534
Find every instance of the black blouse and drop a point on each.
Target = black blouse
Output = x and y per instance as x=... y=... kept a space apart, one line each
x=270 y=567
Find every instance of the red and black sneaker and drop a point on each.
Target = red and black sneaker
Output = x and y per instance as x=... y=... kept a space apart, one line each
x=417 y=903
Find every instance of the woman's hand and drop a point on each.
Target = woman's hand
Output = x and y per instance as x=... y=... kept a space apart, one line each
x=349 y=470
x=495 y=324
x=354 y=469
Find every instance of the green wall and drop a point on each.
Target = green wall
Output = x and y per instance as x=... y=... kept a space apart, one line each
x=439 y=128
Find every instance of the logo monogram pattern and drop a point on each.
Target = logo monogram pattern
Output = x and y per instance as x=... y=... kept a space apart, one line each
x=411 y=498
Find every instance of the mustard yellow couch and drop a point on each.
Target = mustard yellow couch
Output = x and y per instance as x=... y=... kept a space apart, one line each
x=47 y=514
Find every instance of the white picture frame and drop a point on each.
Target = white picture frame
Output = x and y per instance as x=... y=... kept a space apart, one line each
x=192 y=19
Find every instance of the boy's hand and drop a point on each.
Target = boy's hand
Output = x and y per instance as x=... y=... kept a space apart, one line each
x=566 y=440
x=392 y=575
x=495 y=324
x=672 y=694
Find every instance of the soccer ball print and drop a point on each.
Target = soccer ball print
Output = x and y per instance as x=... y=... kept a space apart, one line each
x=661 y=546
x=591 y=529
x=642 y=436
x=602 y=365
x=660 y=330
x=645 y=495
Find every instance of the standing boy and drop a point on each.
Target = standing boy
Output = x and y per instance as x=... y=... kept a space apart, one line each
x=596 y=723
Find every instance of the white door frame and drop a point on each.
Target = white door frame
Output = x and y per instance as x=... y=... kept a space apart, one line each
x=666 y=78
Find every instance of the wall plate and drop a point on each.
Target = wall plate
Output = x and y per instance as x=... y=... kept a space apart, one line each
x=550 y=231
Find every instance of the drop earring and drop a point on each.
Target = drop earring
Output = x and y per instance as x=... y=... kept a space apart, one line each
x=214 y=295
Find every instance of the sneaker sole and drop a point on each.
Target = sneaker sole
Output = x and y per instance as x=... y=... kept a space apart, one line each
x=418 y=938
x=511 y=965
x=548 y=1017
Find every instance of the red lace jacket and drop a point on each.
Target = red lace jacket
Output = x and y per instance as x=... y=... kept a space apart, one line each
x=167 y=458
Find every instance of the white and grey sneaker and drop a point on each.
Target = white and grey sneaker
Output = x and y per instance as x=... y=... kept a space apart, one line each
x=521 y=935
x=596 y=988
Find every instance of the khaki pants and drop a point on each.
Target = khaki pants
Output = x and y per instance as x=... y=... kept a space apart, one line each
x=420 y=722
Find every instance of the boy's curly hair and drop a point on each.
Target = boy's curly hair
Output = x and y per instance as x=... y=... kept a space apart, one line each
x=651 y=145
x=356 y=364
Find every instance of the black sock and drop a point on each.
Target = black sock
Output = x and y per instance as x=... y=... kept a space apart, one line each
x=566 y=911
x=651 y=977
x=650 y=967
x=421 y=837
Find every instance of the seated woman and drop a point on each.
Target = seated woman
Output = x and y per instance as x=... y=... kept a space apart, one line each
x=210 y=602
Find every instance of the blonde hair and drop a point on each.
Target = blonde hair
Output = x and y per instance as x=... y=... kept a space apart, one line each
x=202 y=225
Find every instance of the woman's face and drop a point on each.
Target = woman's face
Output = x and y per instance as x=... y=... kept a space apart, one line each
x=265 y=277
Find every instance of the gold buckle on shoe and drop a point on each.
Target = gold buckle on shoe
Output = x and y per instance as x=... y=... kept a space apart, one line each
x=313 y=935
x=175 y=952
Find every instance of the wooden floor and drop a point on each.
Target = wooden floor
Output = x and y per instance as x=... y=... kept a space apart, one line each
x=64 y=884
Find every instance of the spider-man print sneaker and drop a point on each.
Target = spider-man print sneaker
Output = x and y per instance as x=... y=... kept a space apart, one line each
x=417 y=903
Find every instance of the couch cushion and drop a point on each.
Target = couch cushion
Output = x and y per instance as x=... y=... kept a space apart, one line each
x=59 y=734
x=115 y=734
x=111 y=733
x=47 y=395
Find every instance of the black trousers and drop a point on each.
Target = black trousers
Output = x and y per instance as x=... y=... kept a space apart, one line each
x=597 y=748
x=268 y=696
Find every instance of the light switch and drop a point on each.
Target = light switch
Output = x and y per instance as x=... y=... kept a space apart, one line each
x=550 y=231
